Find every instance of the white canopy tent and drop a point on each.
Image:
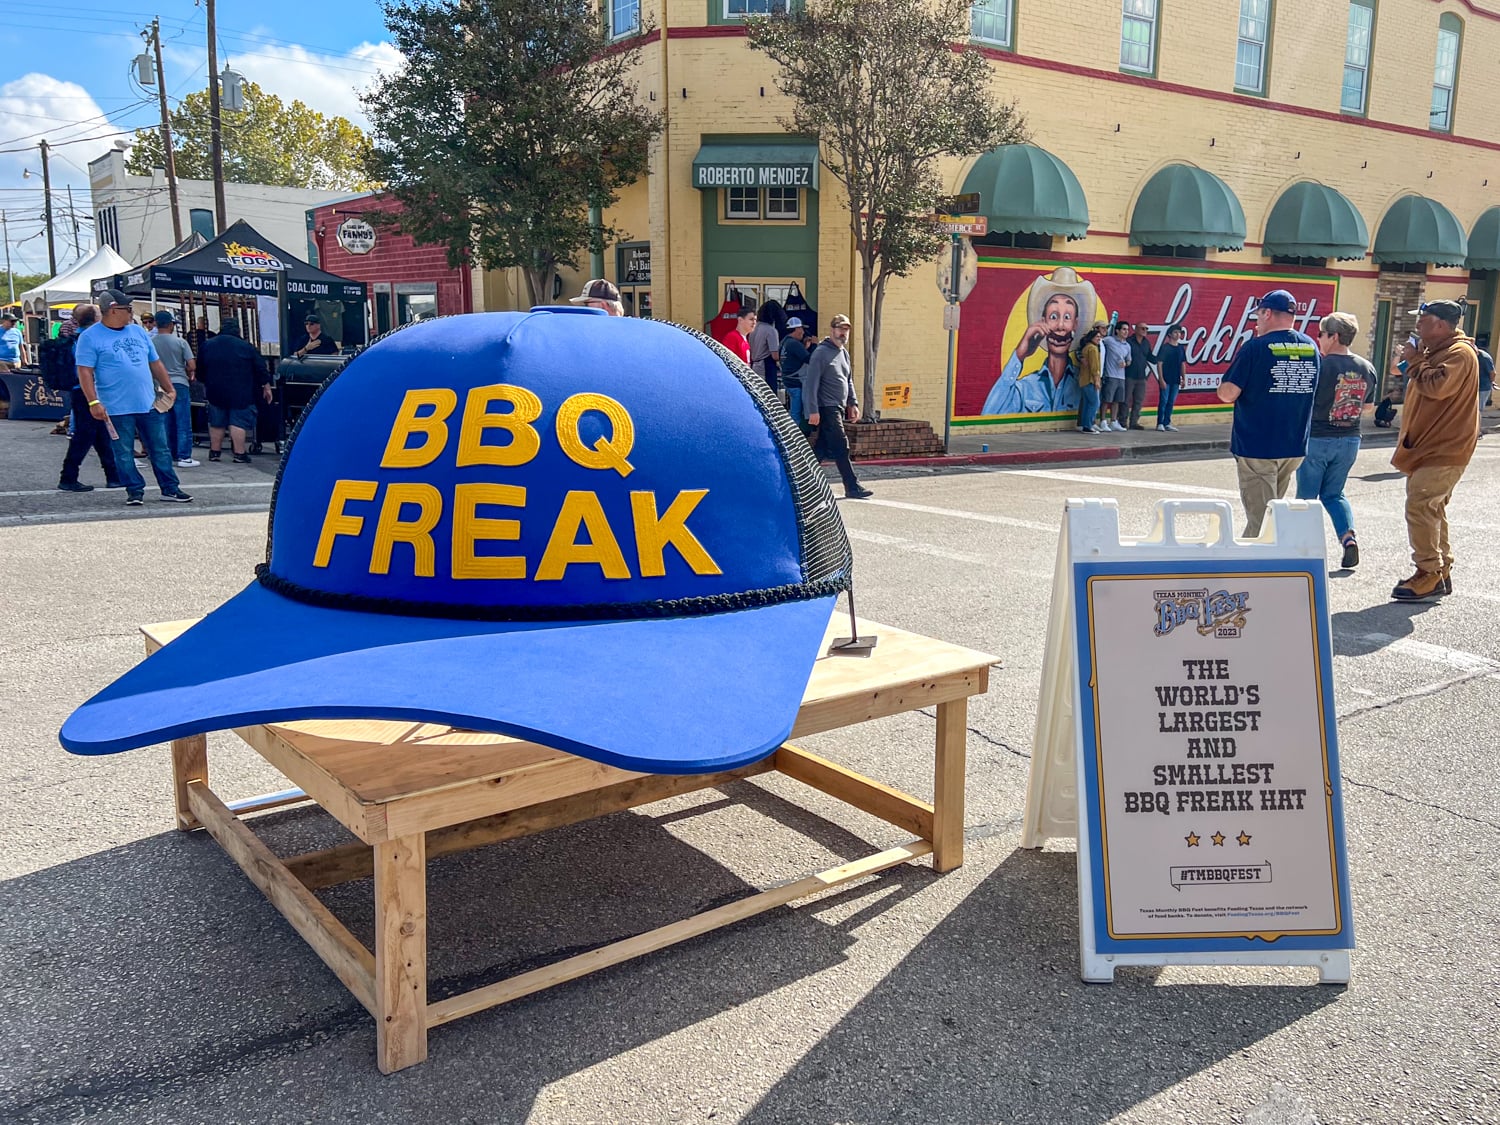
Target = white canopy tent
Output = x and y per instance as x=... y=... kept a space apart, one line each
x=73 y=284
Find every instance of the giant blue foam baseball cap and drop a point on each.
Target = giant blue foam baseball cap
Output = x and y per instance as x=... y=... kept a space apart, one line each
x=601 y=534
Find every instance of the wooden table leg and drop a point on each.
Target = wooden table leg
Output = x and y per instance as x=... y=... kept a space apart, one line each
x=948 y=785
x=189 y=763
x=401 y=952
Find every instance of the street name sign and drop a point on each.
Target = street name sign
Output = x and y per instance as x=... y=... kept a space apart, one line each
x=1186 y=735
x=975 y=226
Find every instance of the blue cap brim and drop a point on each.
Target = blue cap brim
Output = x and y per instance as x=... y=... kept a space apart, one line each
x=658 y=695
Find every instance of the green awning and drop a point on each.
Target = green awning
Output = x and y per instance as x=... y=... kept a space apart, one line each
x=1026 y=189
x=1314 y=221
x=1484 y=242
x=1186 y=206
x=792 y=164
x=1418 y=229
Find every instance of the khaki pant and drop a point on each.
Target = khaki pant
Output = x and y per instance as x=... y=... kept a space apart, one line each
x=1263 y=479
x=1428 y=491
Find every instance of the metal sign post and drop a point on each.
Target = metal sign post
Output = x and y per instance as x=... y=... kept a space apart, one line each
x=956 y=283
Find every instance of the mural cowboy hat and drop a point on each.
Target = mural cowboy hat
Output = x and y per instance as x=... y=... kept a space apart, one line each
x=1063 y=281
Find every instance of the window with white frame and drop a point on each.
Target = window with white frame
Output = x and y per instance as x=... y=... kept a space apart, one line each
x=1445 y=73
x=782 y=203
x=624 y=17
x=1356 y=89
x=1250 y=54
x=990 y=21
x=1138 y=36
x=742 y=203
x=739 y=9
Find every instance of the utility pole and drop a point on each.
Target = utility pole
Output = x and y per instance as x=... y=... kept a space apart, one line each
x=166 y=125
x=10 y=277
x=220 y=210
x=47 y=210
x=73 y=217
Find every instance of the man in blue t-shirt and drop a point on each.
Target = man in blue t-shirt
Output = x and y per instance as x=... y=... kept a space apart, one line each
x=117 y=364
x=12 y=343
x=1271 y=381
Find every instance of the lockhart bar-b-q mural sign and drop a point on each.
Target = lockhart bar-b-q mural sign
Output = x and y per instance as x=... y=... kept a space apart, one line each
x=1024 y=317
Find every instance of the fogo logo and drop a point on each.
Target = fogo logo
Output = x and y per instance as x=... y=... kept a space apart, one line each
x=1220 y=614
x=251 y=258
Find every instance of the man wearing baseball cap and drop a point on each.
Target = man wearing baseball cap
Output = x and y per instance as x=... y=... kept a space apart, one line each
x=828 y=392
x=1439 y=430
x=12 y=343
x=1271 y=381
x=117 y=364
x=600 y=294
x=794 y=357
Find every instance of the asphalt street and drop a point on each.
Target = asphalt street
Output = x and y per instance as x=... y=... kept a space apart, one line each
x=148 y=981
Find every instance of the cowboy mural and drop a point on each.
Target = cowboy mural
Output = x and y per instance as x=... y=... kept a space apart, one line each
x=1059 y=307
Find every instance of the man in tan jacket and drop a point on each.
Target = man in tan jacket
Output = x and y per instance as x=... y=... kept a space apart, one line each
x=1439 y=429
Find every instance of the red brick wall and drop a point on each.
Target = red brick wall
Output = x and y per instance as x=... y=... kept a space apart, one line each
x=396 y=257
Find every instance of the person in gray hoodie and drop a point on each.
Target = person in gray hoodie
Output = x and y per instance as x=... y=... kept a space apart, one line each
x=828 y=396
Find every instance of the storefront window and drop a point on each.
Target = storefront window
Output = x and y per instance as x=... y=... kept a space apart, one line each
x=742 y=203
x=1138 y=36
x=415 y=302
x=1357 y=56
x=990 y=21
x=782 y=203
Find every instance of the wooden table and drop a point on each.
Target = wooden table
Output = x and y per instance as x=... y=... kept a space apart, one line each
x=411 y=791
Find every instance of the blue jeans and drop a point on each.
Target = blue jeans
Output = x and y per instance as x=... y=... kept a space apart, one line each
x=1088 y=406
x=794 y=404
x=1322 y=474
x=180 y=424
x=152 y=429
x=1164 y=402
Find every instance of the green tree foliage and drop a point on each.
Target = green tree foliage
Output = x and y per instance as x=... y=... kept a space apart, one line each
x=21 y=282
x=889 y=87
x=267 y=142
x=511 y=118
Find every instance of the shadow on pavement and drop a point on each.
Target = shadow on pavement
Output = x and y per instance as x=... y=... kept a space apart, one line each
x=987 y=1020
x=156 y=967
x=1360 y=632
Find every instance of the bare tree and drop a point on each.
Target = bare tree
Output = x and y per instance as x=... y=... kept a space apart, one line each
x=889 y=87
x=510 y=119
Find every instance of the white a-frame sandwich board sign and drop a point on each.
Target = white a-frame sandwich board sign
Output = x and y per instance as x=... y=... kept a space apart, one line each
x=1186 y=736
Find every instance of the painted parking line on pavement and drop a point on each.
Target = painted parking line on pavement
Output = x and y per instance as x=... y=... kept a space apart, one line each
x=919 y=548
x=954 y=513
x=1436 y=654
x=1126 y=482
x=196 y=487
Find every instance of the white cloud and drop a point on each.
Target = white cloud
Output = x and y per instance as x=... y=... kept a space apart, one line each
x=36 y=106
x=329 y=84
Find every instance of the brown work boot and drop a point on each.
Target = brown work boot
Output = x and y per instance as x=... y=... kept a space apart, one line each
x=1423 y=586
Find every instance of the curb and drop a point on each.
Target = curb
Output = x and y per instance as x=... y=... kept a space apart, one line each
x=1187 y=449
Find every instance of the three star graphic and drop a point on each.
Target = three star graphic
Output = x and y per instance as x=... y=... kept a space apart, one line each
x=1218 y=838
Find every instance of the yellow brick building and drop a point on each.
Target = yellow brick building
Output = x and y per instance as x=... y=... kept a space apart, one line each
x=1184 y=157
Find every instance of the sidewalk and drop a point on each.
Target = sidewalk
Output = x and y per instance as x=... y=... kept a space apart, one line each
x=1189 y=442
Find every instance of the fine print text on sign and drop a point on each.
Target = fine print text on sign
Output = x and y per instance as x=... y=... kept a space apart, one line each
x=1215 y=805
x=895 y=395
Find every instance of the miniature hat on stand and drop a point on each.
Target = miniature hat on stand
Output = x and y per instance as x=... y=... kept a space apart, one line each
x=527 y=538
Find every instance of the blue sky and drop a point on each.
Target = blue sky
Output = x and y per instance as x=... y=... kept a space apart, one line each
x=65 y=75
